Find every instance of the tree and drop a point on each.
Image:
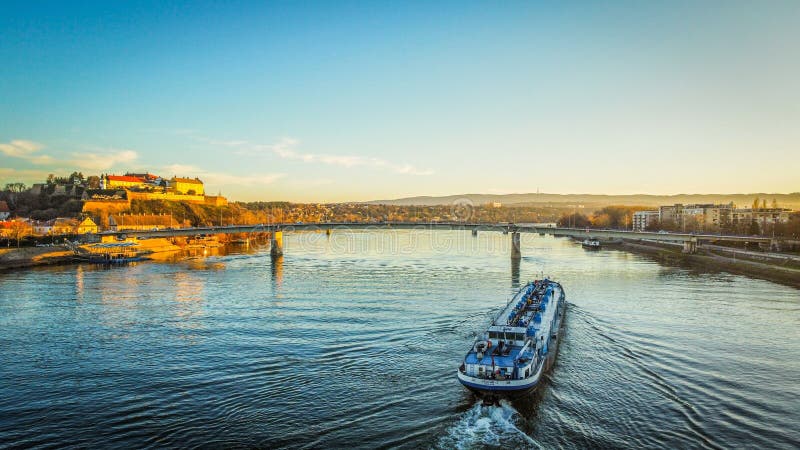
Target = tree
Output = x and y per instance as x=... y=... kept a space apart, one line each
x=753 y=230
x=75 y=178
x=19 y=230
x=774 y=204
x=576 y=220
x=755 y=203
x=93 y=182
x=16 y=187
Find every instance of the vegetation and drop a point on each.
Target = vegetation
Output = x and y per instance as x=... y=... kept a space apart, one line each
x=59 y=196
x=615 y=216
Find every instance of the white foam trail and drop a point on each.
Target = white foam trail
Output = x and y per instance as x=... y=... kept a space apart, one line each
x=487 y=425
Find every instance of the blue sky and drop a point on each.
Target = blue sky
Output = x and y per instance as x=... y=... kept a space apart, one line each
x=336 y=101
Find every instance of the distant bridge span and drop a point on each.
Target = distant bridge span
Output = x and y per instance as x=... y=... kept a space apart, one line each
x=689 y=240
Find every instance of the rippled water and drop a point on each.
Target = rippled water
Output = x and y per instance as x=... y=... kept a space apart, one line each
x=353 y=341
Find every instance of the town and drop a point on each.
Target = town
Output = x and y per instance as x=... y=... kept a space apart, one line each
x=83 y=205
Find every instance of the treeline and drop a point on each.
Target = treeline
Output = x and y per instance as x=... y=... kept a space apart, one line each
x=621 y=217
x=43 y=206
x=616 y=216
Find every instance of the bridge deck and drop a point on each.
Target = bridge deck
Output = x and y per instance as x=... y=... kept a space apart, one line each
x=343 y=226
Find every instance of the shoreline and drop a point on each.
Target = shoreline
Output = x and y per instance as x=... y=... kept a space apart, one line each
x=707 y=260
x=27 y=257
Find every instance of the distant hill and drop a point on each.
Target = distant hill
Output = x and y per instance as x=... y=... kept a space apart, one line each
x=591 y=200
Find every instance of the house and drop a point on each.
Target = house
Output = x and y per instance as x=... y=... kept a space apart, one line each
x=191 y=186
x=121 y=181
x=59 y=225
x=87 y=225
x=4 y=210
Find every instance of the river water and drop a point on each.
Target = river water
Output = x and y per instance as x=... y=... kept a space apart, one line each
x=354 y=340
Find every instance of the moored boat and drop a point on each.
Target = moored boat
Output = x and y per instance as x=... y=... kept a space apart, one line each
x=591 y=243
x=520 y=345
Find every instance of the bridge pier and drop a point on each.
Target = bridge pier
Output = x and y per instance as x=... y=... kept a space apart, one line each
x=516 y=253
x=475 y=232
x=276 y=247
x=690 y=247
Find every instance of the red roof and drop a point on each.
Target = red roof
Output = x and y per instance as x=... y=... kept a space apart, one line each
x=124 y=178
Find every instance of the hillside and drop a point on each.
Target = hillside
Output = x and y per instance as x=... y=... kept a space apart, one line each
x=591 y=200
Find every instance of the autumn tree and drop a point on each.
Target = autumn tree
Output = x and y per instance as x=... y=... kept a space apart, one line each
x=753 y=230
x=93 y=182
x=576 y=220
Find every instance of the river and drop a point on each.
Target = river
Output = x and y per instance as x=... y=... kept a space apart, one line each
x=353 y=340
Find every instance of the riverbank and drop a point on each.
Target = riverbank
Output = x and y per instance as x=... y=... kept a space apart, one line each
x=783 y=273
x=18 y=258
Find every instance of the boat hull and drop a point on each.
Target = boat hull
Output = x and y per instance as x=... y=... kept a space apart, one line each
x=513 y=388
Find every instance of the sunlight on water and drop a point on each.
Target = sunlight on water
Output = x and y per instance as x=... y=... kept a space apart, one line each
x=354 y=341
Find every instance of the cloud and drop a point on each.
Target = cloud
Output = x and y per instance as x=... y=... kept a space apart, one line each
x=285 y=148
x=24 y=149
x=221 y=178
x=95 y=161
x=103 y=161
x=8 y=175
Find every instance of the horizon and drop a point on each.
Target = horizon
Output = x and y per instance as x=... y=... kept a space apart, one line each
x=352 y=102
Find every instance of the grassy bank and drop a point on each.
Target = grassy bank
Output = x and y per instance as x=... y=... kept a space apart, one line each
x=17 y=258
x=709 y=261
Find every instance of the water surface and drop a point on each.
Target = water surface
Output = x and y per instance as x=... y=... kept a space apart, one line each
x=353 y=341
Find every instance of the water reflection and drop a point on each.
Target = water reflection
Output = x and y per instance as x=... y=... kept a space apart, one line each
x=277 y=274
x=244 y=349
x=515 y=272
x=189 y=299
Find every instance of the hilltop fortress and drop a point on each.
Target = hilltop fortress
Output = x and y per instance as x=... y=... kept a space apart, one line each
x=117 y=191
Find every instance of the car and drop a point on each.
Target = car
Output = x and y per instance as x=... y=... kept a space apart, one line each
x=663 y=232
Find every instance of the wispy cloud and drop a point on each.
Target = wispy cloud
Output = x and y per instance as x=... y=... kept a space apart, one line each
x=220 y=178
x=286 y=148
x=103 y=161
x=95 y=161
x=26 y=150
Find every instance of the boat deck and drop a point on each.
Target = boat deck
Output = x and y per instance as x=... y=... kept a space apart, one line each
x=499 y=360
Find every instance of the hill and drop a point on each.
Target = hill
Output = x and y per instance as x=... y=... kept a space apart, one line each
x=594 y=200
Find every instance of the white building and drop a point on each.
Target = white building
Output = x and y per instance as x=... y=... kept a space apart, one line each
x=4 y=210
x=643 y=219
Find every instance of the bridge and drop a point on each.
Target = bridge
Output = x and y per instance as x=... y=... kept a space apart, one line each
x=689 y=241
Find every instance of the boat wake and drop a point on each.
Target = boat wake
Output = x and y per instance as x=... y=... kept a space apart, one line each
x=487 y=426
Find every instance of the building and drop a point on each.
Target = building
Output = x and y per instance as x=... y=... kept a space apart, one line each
x=147 y=177
x=763 y=216
x=643 y=219
x=59 y=225
x=696 y=216
x=143 y=222
x=104 y=194
x=87 y=225
x=707 y=216
x=121 y=181
x=4 y=210
x=216 y=200
x=190 y=186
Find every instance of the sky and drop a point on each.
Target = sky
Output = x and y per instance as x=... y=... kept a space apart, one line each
x=349 y=101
